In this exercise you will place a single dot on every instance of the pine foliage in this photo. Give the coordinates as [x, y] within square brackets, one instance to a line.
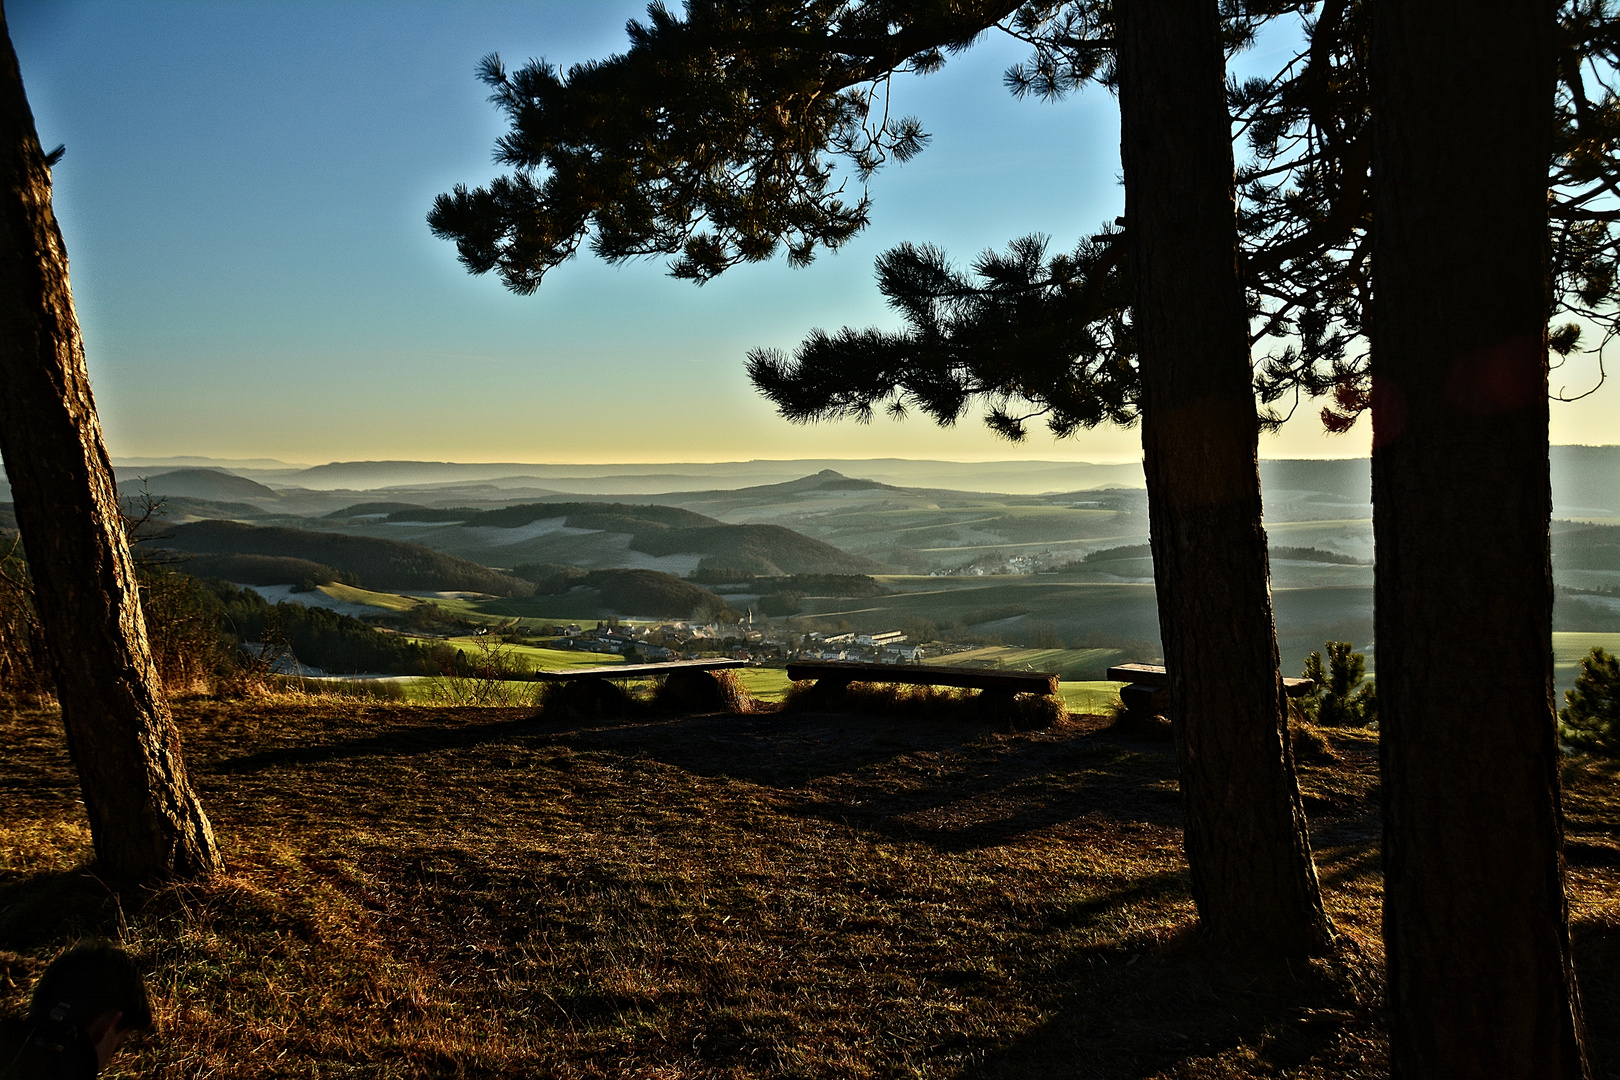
[714, 139]
[1590, 718]
[1340, 696]
[734, 131]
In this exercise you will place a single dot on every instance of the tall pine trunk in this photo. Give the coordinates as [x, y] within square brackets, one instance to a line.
[144, 819]
[1253, 879]
[1475, 922]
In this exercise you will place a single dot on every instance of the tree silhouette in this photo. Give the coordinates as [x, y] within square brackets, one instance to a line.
[144, 819]
[1480, 976]
[713, 139]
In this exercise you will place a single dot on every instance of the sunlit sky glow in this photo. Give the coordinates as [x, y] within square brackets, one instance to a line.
[244, 195]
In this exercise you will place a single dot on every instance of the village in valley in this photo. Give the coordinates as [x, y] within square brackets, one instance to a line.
[741, 641]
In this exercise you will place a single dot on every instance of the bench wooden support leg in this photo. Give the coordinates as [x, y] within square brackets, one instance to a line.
[697, 692]
[589, 698]
[1145, 712]
[826, 693]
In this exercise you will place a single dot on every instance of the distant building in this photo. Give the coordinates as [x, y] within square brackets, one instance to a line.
[882, 638]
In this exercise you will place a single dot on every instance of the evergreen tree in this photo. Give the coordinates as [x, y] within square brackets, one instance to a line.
[1339, 695]
[1590, 718]
[711, 140]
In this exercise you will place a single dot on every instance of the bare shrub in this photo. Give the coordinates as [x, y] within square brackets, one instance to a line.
[489, 678]
[586, 699]
[704, 691]
[25, 669]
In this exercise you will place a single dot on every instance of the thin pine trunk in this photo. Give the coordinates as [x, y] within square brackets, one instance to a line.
[144, 819]
[1253, 879]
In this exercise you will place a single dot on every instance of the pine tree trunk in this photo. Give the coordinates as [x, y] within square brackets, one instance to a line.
[144, 819]
[1253, 879]
[1475, 923]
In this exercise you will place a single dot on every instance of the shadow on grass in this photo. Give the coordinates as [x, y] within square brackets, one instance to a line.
[1124, 1011]
[954, 784]
[51, 910]
[1339, 866]
[780, 750]
[396, 742]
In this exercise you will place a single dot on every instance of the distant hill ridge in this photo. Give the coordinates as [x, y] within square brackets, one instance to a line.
[765, 550]
[216, 485]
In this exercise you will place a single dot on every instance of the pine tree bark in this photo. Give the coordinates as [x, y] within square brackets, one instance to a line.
[1253, 879]
[144, 819]
[1476, 927]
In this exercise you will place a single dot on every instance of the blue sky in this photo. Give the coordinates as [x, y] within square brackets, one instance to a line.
[244, 195]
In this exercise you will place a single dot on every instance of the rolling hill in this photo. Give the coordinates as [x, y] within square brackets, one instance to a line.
[602, 535]
[375, 564]
[214, 485]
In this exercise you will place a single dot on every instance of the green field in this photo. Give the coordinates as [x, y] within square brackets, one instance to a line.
[349, 594]
[532, 657]
[766, 684]
[1569, 649]
[1067, 664]
[1090, 698]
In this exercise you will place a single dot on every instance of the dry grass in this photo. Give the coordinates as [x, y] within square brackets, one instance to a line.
[483, 893]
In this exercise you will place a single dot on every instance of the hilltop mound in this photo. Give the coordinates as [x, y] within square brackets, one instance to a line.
[376, 564]
[211, 484]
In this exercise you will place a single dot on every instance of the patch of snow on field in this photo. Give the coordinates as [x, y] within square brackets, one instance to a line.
[283, 594]
[496, 537]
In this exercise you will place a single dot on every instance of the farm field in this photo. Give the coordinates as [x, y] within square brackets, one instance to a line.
[812, 895]
[1068, 664]
[1569, 649]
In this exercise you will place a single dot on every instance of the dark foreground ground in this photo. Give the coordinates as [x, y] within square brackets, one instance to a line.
[434, 892]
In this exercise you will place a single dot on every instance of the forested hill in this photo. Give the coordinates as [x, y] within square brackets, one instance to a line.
[375, 564]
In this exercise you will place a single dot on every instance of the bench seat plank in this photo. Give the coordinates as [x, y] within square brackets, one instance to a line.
[1154, 675]
[636, 671]
[966, 678]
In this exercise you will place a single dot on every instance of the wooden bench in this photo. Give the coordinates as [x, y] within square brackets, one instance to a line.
[833, 675]
[1148, 687]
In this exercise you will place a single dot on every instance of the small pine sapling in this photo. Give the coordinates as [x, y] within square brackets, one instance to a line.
[1340, 696]
[1590, 719]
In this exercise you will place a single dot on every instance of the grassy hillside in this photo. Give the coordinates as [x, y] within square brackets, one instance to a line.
[375, 564]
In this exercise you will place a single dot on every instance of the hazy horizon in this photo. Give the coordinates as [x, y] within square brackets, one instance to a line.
[243, 200]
